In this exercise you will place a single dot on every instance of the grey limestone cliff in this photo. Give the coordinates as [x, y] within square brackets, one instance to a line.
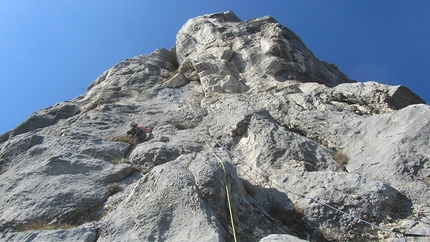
[253, 139]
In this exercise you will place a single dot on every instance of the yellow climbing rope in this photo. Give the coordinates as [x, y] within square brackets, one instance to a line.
[302, 194]
[226, 186]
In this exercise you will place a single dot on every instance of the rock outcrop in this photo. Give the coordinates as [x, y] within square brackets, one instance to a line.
[254, 139]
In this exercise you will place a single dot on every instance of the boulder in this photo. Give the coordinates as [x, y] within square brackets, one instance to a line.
[167, 198]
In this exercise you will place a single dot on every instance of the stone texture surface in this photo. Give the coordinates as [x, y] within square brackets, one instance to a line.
[238, 106]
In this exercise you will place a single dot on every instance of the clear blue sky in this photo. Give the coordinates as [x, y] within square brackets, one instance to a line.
[51, 51]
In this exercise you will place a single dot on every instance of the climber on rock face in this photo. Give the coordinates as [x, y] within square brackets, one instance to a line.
[136, 133]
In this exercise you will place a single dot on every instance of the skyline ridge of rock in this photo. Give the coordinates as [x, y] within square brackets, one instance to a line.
[249, 93]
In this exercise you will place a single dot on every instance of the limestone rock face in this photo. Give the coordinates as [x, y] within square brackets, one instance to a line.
[252, 137]
[225, 52]
[47, 116]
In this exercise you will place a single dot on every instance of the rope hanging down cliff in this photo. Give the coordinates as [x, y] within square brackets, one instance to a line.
[226, 186]
[302, 194]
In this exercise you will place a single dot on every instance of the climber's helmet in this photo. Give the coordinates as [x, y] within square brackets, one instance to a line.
[133, 124]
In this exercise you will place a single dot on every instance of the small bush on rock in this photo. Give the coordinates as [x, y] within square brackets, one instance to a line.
[113, 188]
[179, 125]
[341, 159]
[121, 138]
[42, 225]
[167, 76]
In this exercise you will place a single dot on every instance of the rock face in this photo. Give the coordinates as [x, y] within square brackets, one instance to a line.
[254, 139]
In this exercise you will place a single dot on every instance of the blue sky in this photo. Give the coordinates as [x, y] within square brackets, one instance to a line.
[51, 51]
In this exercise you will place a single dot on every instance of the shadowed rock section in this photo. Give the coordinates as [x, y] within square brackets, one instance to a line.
[295, 135]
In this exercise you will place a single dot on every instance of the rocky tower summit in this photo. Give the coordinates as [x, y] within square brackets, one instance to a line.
[254, 139]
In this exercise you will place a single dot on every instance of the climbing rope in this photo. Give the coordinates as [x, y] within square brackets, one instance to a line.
[226, 186]
[302, 194]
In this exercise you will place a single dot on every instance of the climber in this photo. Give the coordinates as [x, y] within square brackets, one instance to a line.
[136, 133]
